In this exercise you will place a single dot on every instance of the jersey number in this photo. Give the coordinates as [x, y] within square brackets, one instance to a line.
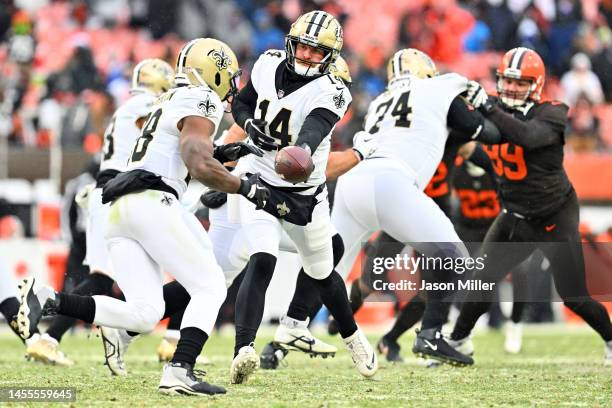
[478, 204]
[401, 112]
[279, 126]
[109, 141]
[146, 136]
[507, 163]
[438, 185]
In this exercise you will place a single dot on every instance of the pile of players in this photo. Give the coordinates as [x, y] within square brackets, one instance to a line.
[161, 139]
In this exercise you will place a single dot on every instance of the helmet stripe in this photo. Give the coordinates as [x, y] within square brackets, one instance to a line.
[323, 18]
[183, 56]
[311, 23]
[397, 63]
[136, 74]
[517, 58]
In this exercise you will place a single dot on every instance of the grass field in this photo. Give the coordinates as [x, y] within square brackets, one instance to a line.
[559, 366]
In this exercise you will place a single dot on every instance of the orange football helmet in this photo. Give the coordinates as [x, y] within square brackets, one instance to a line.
[525, 64]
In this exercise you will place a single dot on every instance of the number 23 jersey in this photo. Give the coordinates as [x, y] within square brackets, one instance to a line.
[285, 115]
[157, 149]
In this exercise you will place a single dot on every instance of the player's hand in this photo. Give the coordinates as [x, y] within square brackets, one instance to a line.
[256, 129]
[478, 98]
[233, 151]
[82, 196]
[213, 199]
[254, 190]
[364, 144]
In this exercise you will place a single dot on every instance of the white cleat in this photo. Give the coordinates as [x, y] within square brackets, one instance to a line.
[45, 349]
[180, 378]
[362, 353]
[514, 337]
[116, 343]
[294, 334]
[608, 354]
[464, 345]
[244, 365]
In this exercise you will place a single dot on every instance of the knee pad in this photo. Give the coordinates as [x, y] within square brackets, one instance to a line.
[337, 248]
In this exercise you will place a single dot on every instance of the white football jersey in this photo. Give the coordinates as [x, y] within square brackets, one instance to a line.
[157, 148]
[122, 132]
[409, 122]
[285, 115]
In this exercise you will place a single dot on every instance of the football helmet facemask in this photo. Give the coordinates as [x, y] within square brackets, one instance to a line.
[520, 63]
[211, 62]
[317, 29]
[410, 61]
[340, 69]
[152, 75]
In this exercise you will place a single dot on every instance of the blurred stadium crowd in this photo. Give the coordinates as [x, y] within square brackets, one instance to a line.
[65, 65]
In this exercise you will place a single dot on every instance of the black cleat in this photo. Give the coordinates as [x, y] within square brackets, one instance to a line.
[180, 378]
[389, 349]
[271, 356]
[332, 327]
[31, 310]
[430, 344]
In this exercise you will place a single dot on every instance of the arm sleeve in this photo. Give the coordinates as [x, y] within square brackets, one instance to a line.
[544, 129]
[244, 104]
[316, 127]
[467, 125]
[480, 158]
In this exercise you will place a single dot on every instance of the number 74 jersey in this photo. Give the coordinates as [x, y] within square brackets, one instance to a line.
[409, 122]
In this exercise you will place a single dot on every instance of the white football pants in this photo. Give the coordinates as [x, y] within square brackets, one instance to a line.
[97, 256]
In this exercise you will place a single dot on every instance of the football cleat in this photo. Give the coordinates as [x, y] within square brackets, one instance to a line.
[431, 344]
[464, 345]
[514, 337]
[390, 349]
[116, 343]
[293, 334]
[244, 365]
[271, 356]
[180, 378]
[33, 306]
[608, 354]
[46, 350]
[362, 353]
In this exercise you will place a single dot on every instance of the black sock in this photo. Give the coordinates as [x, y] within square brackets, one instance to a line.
[517, 311]
[77, 306]
[94, 284]
[251, 298]
[356, 296]
[176, 298]
[189, 345]
[408, 316]
[175, 321]
[595, 315]
[305, 298]
[333, 294]
[470, 312]
[435, 314]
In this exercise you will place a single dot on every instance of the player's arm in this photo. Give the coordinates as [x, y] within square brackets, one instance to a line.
[234, 134]
[244, 104]
[197, 151]
[470, 125]
[339, 163]
[317, 125]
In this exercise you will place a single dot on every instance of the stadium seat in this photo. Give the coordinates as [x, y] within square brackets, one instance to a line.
[16, 191]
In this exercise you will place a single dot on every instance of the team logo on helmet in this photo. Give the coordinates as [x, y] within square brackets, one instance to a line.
[222, 60]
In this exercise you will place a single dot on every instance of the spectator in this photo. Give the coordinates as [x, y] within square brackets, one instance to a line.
[581, 80]
[449, 24]
[567, 17]
[583, 133]
[501, 21]
[266, 35]
[478, 39]
[82, 70]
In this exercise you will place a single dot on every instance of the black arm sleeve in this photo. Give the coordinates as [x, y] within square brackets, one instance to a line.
[480, 158]
[244, 104]
[316, 126]
[467, 125]
[544, 129]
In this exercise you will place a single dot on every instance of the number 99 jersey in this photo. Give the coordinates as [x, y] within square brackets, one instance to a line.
[157, 149]
[285, 114]
[409, 121]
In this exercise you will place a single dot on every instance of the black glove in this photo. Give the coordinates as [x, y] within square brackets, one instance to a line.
[213, 199]
[234, 151]
[256, 129]
[253, 189]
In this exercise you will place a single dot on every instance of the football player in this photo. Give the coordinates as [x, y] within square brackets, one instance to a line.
[149, 230]
[539, 202]
[291, 99]
[150, 78]
[385, 192]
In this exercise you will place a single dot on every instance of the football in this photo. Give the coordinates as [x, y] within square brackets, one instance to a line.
[293, 164]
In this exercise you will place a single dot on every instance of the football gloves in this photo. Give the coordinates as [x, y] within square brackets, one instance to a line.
[233, 151]
[256, 129]
[364, 144]
[213, 199]
[253, 189]
[478, 98]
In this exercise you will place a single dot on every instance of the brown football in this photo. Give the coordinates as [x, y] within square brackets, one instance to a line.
[293, 164]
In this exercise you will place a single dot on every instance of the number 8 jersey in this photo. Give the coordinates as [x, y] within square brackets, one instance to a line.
[409, 121]
[285, 114]
[157, 149]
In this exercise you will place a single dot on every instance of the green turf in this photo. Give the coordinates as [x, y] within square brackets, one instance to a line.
[558, 367]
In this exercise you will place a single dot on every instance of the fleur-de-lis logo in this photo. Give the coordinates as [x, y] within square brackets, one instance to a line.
[283, 209]
[339, 100]
[222, 60]
[206, 107]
